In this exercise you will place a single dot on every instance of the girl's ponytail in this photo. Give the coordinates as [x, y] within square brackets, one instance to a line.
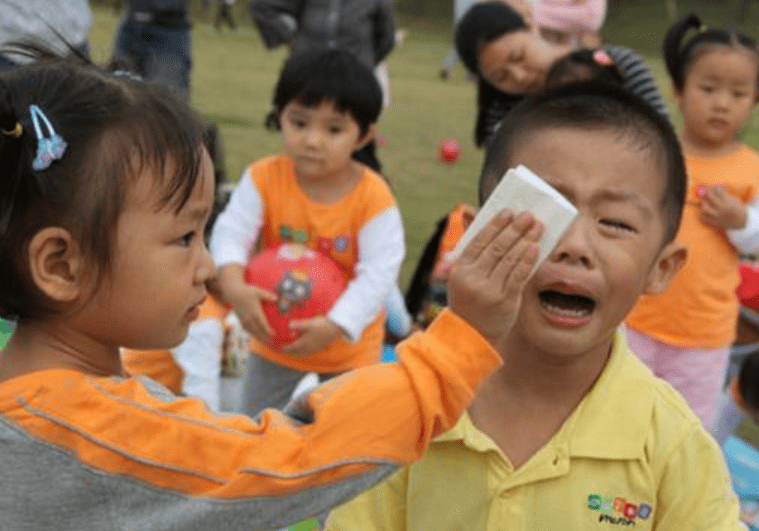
[11, 135]
[10, 127]
[674, 55]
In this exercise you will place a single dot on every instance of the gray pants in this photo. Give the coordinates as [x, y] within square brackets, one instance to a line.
[270, 385]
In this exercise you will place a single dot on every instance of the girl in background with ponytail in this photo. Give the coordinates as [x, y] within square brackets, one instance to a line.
[685, 334]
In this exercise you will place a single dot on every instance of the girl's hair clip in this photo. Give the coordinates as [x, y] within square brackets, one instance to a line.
[703, 28]
[600, 57]
[16, 132]
[49, 148]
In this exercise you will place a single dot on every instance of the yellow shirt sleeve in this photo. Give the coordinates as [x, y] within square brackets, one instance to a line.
[382, 508]
[695, 490]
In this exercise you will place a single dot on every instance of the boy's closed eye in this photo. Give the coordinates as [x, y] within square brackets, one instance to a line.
[617, 225]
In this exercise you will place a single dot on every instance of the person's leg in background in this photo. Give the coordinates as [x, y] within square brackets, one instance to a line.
[267, 385]
[169, 58]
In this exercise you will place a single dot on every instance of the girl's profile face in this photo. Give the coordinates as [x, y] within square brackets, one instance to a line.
[718, 95]
[160, 267]
[517, 62]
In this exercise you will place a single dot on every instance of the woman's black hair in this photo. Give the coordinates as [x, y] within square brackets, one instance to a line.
[492, 106]
[679, 56]
[584, 65]
[115, 130]
[484, 22]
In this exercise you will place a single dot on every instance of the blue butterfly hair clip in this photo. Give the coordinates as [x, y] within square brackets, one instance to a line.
[49, 148]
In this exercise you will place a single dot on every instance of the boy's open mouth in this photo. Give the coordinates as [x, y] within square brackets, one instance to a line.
[566, 304]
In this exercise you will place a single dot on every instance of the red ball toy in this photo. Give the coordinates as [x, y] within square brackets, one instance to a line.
[748, 289]
[450, 150]
[307, 284]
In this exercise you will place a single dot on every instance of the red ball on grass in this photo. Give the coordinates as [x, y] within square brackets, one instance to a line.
[450, 150]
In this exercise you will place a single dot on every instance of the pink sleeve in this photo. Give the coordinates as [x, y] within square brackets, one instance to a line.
[570, 16]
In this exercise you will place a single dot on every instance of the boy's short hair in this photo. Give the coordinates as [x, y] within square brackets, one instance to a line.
[315, 76]
[593, 106]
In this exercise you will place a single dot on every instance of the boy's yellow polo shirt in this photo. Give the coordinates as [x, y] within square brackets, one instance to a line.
[631, 456]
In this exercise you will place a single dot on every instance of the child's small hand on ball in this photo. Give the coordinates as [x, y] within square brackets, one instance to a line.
[315, 334]
[247, 304]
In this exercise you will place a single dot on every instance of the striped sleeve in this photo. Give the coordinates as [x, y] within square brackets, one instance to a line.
[121, 454]
[638, 77]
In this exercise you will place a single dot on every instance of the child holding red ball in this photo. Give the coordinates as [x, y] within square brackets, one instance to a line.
[316, 195]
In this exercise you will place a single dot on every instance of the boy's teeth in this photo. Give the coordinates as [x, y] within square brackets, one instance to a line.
[565, 311]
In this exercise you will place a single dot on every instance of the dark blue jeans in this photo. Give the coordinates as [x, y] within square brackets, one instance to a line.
[5, 64]
[156, 53]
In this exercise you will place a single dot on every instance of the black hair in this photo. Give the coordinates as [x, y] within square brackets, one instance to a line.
[482, 23]
[330, 75]
[592, 106]
[115, 130]
[584, 65]
[748, 381]
[492, 106]
[679, 57]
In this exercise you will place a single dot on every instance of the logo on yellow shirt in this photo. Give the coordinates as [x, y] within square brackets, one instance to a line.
[618, 510]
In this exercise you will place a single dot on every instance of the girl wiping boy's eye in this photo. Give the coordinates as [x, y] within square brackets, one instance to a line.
[105, 191]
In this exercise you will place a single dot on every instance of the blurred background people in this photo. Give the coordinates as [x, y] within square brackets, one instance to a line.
[61, 26]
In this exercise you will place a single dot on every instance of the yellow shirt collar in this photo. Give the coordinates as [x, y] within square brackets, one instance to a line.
[611, 422]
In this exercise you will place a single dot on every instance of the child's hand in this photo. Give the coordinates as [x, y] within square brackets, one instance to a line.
[247, 304]
[316, 333]
[485, 286]
[720, 209]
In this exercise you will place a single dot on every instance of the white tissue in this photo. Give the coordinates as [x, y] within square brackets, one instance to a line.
[519, 190]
